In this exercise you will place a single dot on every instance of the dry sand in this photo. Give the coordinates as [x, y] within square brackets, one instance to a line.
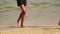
[32, 30]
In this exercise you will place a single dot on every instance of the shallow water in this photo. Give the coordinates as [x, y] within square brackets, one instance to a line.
[39, 12]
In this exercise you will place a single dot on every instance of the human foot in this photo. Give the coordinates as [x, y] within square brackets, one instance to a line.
[18, 23]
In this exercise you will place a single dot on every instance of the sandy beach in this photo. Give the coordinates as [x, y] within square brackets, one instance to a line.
[42, 17]
[31, 30]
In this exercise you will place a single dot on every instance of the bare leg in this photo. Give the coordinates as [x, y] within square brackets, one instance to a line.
[23, 8]
[19, 19]
[59, 23]
[22, 15]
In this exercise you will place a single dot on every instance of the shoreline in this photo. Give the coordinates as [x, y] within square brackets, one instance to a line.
[6, 27]
[32, 30]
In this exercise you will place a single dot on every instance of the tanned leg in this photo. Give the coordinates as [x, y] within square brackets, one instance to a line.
[22, 15]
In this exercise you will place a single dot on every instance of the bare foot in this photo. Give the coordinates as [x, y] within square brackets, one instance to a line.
[18, 23]
[21, 26]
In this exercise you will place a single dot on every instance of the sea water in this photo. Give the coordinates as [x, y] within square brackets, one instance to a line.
[39, 12]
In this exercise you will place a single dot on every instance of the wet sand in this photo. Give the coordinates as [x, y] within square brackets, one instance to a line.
[30, 30]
